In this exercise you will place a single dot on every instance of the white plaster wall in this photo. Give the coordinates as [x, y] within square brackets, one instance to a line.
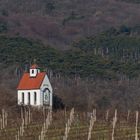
[26, 102]
[32, 98]
[19, 96]
[26, 97]
[46, 84]
[51, 99]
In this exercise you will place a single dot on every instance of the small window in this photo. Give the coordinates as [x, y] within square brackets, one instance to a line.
[35, 97]
[32, 71]
[29, 98]
[22, 97]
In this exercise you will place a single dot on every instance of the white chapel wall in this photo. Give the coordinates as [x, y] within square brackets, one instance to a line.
[46, 84]
[26, 92]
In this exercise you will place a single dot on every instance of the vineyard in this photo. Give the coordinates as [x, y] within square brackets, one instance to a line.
[43, 124]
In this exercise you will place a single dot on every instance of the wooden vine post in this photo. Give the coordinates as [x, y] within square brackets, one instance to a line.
[17, 137]
[136, 127]
[3, 119]
[92, 121]
[68, 124]
[45, 125]
[114, 124]
[25, 120]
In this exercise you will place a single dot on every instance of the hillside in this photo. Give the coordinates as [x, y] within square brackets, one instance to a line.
[107, 74]
[91, 50]
[60, 22]
[109, 55]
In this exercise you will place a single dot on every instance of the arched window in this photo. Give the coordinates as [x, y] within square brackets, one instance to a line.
[22, 97]
[29, 98]
[46, 95]
[35, 97]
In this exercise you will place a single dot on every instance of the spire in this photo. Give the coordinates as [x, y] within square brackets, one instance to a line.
[34, 66]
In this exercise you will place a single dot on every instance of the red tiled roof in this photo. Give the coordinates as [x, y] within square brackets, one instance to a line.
[28, 83]
[34, 66]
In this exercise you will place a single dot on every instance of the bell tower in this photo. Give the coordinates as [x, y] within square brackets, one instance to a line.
[34, 70]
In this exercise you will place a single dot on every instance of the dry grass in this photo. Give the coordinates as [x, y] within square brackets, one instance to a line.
[78, 130]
